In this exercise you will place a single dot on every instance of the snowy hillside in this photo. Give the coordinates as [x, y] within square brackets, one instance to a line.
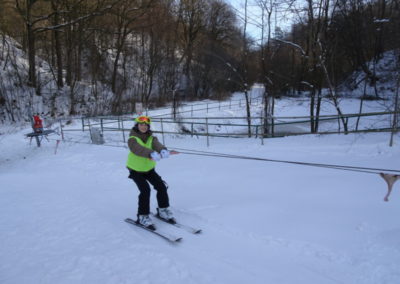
[386, 71]
[62, 214]
[18, 99]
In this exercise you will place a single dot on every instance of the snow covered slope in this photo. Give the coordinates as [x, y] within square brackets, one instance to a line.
[386, 71]
[62, 214]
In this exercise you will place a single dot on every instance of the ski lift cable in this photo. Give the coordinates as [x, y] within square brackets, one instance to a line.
[331, 166]
[231, 156]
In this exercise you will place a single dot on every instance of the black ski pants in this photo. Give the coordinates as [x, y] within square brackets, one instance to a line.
[142, 181]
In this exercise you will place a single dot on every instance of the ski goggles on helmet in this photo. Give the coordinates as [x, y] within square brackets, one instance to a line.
[143, 119]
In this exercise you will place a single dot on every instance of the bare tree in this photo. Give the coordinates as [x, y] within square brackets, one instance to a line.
[36, 23]
[267, 8]
[57, 38]
[191, 18]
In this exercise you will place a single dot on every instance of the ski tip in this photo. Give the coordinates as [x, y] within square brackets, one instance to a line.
[198, 231]
[178, 240]
[130, 220]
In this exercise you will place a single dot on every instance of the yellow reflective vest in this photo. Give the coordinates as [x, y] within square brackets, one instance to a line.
[138, 163]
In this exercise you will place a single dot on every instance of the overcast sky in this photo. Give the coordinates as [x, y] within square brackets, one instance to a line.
[254, 16]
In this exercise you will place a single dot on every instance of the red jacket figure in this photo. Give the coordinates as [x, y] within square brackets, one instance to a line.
[37, 124]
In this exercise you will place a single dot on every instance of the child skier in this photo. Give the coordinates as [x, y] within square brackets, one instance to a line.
[145, 151]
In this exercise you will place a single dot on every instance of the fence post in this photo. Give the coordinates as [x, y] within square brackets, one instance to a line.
[162, 131]
[395, 114]
[208, 139]
[262, 131]
[83, 123]
[192, 112]
[123, 133]
[101, 125]
[192, 129]
[90, 129]
[62, 132]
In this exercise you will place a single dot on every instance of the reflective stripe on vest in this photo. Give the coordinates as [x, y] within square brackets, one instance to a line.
[138, 163]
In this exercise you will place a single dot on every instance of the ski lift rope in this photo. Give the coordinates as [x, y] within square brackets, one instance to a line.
[390, 176]
[231, 156]
[330, 166]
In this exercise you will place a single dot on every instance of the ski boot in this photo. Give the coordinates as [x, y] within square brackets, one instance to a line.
[145, 221]
[166, 214]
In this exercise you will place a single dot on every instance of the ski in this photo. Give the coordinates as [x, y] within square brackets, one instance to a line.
[157, 232]
[179, 225]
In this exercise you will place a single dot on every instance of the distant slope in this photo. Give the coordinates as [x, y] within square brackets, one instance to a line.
[386, 71]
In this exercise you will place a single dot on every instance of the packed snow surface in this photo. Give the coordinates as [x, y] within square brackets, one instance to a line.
[62, 214]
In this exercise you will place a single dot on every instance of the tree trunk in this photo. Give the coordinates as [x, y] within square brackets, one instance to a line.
[244, 66]
[31, 51]
[58, 47]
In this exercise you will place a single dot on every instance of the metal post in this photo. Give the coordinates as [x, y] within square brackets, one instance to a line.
[162, 131]
[208, 139]
[395, 114]
[174, 105]
[37, 140]
[123, 133]
[262, 131]
[61, 128]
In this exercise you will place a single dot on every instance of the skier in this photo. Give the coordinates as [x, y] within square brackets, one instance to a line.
[145, 151]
